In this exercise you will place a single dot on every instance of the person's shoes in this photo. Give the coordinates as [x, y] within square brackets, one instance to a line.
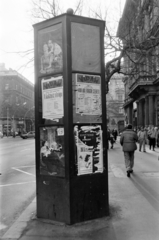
[153, 149]
[111, 147]
[139, 150]
[131, 171]
[128, 173]
[144, 151]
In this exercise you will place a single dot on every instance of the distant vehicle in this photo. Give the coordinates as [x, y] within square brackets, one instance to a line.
[28, 135]
[14, 134]
[1, 135]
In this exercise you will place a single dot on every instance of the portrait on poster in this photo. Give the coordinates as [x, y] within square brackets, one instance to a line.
[52, 98]
[52, 158]
[89, 149]
[50, 55]
[88, 94]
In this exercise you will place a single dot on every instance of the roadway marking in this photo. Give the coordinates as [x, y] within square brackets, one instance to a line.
[25, 149]
[27, 166]
[12, 184]
[2, 226]
[17, 169]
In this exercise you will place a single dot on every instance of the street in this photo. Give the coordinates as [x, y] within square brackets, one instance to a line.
[18, 182]
[17, 179]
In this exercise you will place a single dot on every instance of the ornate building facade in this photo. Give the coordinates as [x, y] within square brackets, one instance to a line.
[138, 30]
[16, 102]
[115, 100]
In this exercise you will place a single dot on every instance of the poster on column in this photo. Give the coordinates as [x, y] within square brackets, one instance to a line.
[52, 156]
[50, 53]
[52, 98]
[88, 94]
[89, 149]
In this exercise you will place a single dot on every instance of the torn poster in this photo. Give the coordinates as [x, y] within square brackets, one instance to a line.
[89, 149]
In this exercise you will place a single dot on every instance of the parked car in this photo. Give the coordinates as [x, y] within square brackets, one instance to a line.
[30, 134]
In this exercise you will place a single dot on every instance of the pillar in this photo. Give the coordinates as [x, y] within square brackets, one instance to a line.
[151, 110]
[140, 114]
[137, 103]
[130, 113]
[146, 111]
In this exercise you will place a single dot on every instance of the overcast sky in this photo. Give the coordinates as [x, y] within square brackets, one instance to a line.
[16, 31]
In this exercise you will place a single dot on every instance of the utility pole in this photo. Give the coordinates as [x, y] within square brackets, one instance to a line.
[7, 119]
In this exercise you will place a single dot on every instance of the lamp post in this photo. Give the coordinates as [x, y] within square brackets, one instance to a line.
[23, 104]
[7, 119]
[27, 113]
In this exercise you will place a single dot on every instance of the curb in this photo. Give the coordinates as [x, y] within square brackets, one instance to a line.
[15, 231]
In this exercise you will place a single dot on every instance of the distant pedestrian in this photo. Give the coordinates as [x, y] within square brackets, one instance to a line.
[128, 141]
[115, 133]
[112, 140]
[108, 137]
[142, 139]
[152, 136]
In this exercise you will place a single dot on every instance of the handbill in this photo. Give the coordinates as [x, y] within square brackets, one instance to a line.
[88, 94]
[52, 98]
[89, 149]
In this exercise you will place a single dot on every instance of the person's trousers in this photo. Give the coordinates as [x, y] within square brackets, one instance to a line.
[152, 143]
[142, 143]
[129, 160]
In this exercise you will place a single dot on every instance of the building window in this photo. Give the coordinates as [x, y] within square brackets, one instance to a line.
[7, 86]
[120, 97]
[121, 110]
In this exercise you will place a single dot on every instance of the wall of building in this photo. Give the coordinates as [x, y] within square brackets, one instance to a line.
[16, 99]
[140, 29]
[115, 101]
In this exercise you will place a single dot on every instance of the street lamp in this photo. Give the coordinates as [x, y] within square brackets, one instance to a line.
[23, 104]
[26, 114]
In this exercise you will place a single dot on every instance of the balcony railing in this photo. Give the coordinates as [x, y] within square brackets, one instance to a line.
[142, 80]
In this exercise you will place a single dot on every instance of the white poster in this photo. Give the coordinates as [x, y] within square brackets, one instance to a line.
[52, 98]
[89, 149]
[88, 94]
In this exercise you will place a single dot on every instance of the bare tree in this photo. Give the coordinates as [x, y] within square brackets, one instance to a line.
[45, 9]
[138, 49]
[136, 42]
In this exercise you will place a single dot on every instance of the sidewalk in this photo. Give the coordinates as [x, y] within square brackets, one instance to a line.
[132, 217]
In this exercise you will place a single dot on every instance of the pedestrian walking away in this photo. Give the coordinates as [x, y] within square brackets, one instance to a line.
[112, 140]
[142, 139]
[128, 141]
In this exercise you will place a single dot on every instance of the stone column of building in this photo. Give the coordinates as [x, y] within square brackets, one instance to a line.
[146, 111]
[140, 114]
[151, 110]
[137, 103]
[130, 113]
[157, 109]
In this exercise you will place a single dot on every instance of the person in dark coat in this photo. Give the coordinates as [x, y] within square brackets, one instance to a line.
[108, 138]
[128, 141]
[115, 133]
[112, 140]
